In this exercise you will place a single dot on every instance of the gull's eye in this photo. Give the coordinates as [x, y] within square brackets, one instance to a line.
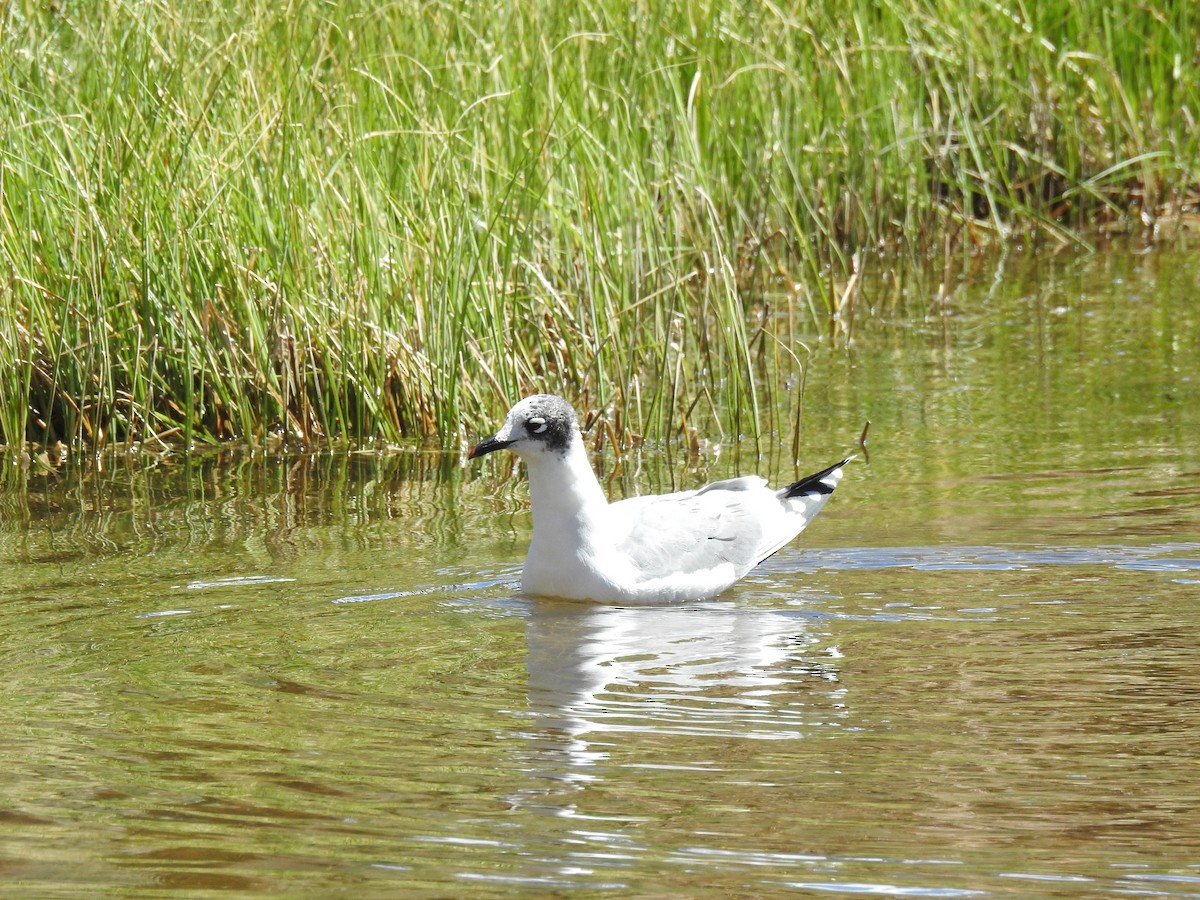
[537, 424]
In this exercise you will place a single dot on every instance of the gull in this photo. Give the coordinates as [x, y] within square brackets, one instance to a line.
[689, 545]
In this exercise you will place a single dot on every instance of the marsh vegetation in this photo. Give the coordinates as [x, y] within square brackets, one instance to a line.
[363, 222]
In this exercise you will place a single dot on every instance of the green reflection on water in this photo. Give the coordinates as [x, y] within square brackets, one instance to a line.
[974, 673]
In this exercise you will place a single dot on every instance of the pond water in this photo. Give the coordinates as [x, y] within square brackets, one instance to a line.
[975, 675]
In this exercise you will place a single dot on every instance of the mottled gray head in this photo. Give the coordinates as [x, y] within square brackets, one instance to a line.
[541, 423]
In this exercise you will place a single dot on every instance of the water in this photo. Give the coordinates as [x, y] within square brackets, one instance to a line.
[974, 676]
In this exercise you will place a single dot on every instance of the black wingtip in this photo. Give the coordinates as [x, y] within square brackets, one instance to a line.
[815, 484]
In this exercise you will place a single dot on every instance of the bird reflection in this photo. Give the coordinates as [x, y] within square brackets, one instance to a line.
[599, 673]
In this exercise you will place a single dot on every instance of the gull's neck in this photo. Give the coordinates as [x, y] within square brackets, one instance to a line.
[563, 491]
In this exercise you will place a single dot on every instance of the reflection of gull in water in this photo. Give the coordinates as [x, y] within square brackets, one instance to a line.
[715, 670]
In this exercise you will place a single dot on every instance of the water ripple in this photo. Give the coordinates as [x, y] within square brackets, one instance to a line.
[1155, 557]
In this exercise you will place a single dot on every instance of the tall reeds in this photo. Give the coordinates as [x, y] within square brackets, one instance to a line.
[363, 221]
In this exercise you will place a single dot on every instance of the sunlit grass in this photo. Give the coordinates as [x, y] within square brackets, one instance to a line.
[360, 222]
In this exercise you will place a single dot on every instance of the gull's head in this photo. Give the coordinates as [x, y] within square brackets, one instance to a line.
[541, 424]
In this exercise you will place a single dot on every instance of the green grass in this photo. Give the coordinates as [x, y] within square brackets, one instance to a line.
[372, 222]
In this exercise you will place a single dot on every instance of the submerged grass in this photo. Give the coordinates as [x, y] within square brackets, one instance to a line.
[367, 222]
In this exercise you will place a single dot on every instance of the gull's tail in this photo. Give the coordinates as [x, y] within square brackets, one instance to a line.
[801, 502]
[818, 485]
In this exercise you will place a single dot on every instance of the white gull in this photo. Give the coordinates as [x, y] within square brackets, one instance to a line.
[688, 545]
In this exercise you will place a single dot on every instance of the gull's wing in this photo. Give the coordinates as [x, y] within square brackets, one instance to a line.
[719, 527]
[720, 531]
